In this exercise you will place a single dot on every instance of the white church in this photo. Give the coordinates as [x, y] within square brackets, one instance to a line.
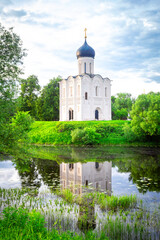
[74, 176]
[86, 96]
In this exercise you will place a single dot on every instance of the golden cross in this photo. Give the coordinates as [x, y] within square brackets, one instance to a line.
[85, 32]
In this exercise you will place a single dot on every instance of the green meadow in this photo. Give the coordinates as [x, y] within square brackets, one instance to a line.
[114, 132]
[78, 132]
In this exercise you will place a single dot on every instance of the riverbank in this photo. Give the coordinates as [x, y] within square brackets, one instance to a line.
[83, 133]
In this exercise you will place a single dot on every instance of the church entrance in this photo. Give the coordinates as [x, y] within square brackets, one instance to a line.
[96, 115]
[70, 114]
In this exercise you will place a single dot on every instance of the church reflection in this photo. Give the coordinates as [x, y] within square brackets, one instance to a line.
[94, 175]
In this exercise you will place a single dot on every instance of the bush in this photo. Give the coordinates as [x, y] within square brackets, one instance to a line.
[21, 124]
[129, 135]
[86, 136]
[146, 115]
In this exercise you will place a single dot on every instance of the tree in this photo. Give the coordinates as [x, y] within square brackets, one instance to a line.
[30, 90]
[48, 102]
[11, 55]
[121, 106]
[146, 115]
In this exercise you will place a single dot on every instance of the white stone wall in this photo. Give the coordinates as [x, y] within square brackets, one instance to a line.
[71, 177]
[100, 177]
[99, 98]
[96, 175]
[73, 93]
[70, 98]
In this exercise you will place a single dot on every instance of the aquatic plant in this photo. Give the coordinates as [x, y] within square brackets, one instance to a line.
[66, 194]
[115, 203]
[114, 222]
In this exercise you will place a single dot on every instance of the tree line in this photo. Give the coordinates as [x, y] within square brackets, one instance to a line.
[42, 104]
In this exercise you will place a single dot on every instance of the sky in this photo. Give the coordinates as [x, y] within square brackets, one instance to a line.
[125, 35]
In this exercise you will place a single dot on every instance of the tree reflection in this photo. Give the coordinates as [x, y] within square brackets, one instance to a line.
[28, 173]
[33, 165]
[144, 172]
[49, 171]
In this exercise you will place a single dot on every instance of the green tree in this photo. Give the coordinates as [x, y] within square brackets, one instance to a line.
[30, 90]
[48, 102]
[146, 115]
[121, 106]
[21, 124]
[11, 55]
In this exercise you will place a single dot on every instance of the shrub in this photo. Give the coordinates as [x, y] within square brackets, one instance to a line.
[129, 135]
[86, 136]
[77, 135]
[21, 124]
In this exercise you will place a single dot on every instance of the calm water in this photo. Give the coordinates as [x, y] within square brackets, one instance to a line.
[116, 170]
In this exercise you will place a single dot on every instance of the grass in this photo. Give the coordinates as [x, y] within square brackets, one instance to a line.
[21, 224]
[114, 203]
[67, 195]
[83, 133]
[38, 217]
[111, 132]
[111, 203]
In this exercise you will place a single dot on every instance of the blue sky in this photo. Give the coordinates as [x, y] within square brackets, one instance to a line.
[124, 33]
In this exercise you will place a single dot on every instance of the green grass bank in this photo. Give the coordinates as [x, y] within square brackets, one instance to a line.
[114, 132]
[78, 132]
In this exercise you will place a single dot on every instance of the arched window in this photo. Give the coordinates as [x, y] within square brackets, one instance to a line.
[96, 90]
[96, 165]
[96, 114]
[85, 67]
[80, 68]
[70, 114]
[86, 183]
[105, 91]
[71, 166]
[78, 90]
[86, 95]
[70, 91]
[63, 93]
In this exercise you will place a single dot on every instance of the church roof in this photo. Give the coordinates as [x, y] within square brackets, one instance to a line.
[85, 51]
[86, 74]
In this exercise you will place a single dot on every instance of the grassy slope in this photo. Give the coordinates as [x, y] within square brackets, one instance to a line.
[45, 132]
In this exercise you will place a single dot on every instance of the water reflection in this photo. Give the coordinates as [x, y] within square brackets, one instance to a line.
[130, 170]
[9, 176]
[120, 170]
[96, 175]
[37, 172]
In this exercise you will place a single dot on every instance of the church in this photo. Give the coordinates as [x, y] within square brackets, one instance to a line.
[86, 96]
[96, 175]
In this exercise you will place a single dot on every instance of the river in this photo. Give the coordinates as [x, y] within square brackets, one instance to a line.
[112, 170]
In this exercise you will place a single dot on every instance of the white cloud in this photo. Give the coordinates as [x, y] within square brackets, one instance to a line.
[52, 31]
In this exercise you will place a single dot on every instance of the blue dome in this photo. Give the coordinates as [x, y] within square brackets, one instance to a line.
[85, 51]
